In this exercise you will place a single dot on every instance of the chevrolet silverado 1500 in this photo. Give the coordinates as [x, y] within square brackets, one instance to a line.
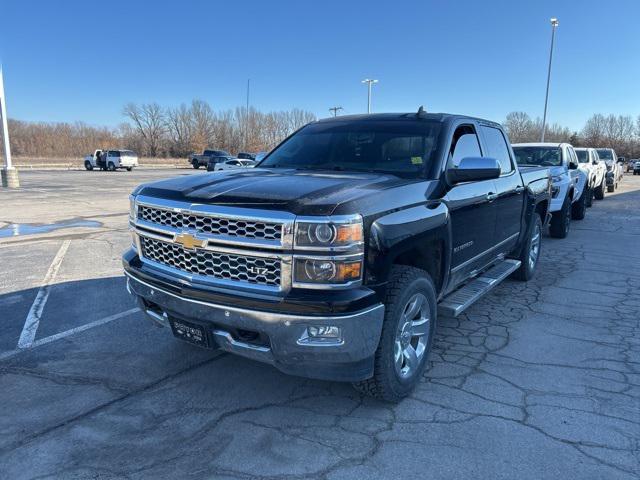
[333, 258]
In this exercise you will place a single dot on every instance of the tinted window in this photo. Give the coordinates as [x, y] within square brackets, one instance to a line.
[583, 156]
[605, 154]
[543, 156]
[497, 148]
[464, 144]
[400, 147]
[114, 153]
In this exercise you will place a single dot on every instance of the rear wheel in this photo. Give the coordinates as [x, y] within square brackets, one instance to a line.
[407, 335]
[561, 220]
[579, 207]
[129, 169]
[195, 164]
[530, 252]
[88, 166]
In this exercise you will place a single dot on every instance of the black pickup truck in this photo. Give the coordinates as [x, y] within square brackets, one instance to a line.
[334, 256]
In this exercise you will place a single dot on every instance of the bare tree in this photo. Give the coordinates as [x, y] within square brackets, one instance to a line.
[519, 127]
[149, 120]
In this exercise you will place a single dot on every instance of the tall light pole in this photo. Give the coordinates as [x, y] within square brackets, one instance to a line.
[554, 25]
[335, 110]
[246, 119]
[369, 82]
[9, 174]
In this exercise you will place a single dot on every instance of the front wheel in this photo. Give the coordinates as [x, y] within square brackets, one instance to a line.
[111, 167]
[610, 188]
[590, 197]
[88, 166]
[407, 335]
[530, 252]
[195, 164]
[579, 207]
[129, 169]
[560, 221]
[599, 193]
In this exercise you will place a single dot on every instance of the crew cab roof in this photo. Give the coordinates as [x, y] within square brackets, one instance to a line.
[539, 144]
[438, 117]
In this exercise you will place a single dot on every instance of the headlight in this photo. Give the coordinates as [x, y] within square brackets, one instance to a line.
[133, 209]
[332, 271]
[332, 233]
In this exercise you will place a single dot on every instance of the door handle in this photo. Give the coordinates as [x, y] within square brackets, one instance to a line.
[492, 196]
[519, 189]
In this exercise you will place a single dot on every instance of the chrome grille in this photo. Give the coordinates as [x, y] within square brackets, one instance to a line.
[254, 270]
[213, 225]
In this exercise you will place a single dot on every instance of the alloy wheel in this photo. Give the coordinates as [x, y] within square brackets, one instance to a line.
[534, 249]
[412, 336]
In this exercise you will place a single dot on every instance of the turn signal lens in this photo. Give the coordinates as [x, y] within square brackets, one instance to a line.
[327, 272]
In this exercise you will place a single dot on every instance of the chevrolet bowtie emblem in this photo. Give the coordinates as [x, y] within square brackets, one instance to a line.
[188, 241]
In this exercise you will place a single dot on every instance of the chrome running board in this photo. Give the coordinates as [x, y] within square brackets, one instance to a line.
[458, 301]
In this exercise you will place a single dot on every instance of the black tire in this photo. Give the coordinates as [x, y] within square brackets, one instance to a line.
[589, 198]
[579, 207]
[88, 166]
[111, 167]
[387, 383]
[129, 169]
[599, 193]
[530, 254]
[610, 188]
[561, 220]
[195, 164]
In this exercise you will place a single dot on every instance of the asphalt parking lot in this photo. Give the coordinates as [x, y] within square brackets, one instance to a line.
[538, 380]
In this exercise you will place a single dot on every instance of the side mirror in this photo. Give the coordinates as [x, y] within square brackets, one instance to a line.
[595, 162]
[573, 166]
[474, 169]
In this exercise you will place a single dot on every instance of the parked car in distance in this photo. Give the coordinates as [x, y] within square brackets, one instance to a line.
[569, 192]
[596, 171]
[246, 156]
[111, 160]
[636, 167]
[614, 169]
[232, 164]
[202, 160]
[334, 257]
[260, 156]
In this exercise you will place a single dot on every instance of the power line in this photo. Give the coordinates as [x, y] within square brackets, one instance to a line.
[335, 110]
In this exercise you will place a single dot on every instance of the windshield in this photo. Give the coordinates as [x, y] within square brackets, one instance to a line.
[543, 156]
[605, 154]
[583, 156]
[398, 147]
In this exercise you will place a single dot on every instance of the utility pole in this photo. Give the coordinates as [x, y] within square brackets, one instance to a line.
[246, 120]
[9, 174]
[335, 110]
[554, 25]
[369, 82]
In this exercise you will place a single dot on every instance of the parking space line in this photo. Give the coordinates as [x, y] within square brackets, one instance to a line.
[35, 312]
[67, 333]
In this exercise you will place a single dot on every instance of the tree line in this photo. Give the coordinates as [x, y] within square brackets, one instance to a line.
[620, 132]
[156, 131]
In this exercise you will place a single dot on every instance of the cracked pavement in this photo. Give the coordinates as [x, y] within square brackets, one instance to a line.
[537, 380]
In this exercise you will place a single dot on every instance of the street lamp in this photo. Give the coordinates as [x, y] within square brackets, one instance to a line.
[369, 82]
[554, 24]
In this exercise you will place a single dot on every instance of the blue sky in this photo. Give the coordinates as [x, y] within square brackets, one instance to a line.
[83, 60]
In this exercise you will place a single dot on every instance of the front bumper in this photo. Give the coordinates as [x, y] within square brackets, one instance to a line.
[281, 336]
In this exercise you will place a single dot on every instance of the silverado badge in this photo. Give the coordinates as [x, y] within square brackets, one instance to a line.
[188, 241]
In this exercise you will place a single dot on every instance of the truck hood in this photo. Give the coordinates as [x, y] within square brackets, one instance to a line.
[299, 192]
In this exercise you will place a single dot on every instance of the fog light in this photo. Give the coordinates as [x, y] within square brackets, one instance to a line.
[321, 334]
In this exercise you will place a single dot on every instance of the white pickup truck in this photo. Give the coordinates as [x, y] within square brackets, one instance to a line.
[596, 171]
[111, 160]
[569, 187]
